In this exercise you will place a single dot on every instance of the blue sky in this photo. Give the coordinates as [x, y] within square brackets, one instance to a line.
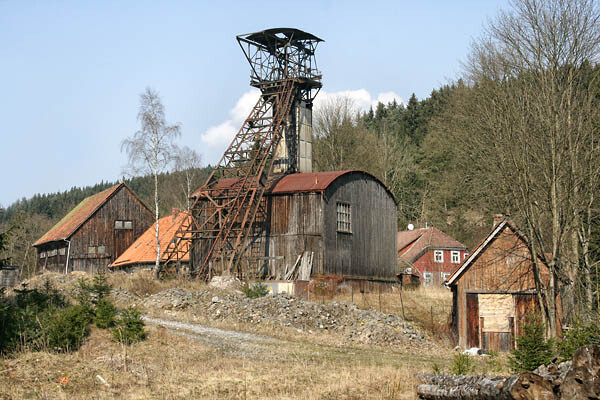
[71, 72]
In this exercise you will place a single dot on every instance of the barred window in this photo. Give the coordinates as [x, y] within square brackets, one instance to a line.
[455, 257]
[438, 256]
[344, 218]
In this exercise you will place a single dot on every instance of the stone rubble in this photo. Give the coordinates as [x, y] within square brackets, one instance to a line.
[345, 320]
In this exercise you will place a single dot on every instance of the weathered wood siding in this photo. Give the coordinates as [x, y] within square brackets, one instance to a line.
[504, 267]
[370, 250]
[99, 230]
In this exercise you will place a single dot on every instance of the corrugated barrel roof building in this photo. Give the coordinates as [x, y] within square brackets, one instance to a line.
[341, 222]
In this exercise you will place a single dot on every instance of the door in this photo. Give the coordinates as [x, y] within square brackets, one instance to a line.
[472, 320]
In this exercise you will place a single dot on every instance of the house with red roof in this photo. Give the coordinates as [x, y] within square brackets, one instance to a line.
[94, 233]
[142, 253]
[341, 223]
[430, 254]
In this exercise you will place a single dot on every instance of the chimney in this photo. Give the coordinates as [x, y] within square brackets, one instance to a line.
[498, 218]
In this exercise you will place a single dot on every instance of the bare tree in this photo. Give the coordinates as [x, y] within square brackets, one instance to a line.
[527, 131]
[187, 164]
[150, 150]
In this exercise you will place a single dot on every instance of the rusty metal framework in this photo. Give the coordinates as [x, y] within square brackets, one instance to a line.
[229, 210]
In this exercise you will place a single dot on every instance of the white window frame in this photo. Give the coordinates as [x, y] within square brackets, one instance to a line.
[42, 254]
[455, 257]
[344, 217]
[427, 278]
[439, 253]
[445, 276]
[465, 255]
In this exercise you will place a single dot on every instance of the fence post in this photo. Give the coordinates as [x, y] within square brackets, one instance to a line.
[402, 304]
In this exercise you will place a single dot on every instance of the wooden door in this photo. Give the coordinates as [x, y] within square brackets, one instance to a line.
[123, 238]
[472, 320]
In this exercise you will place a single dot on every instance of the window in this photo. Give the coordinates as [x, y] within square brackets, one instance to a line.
[43, 254]
[465, 255]
[101, 250]
[52, 253]
[344, 218]
[62, 251]
[427, 278]
[120, 224]
[445, 276]
[455, 257]
[438, 256]
[91, 250]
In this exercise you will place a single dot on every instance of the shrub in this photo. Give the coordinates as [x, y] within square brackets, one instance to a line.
[105, 313]
[462, 364]
[67, 328]
[255, 290]
[129, 327]
[579, 334]
[532, 349]
[8, 329]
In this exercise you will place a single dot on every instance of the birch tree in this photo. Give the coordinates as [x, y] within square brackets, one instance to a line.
[187, 164]
[150, 150]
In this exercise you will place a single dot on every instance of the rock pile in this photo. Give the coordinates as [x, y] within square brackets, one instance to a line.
[346, 320]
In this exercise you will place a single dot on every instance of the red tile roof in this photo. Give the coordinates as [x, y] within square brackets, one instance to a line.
[143, 250]
[411, 244]
[77, 216]
[299, 182]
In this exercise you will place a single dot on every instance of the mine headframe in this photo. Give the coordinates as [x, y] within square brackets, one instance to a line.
[229, 212]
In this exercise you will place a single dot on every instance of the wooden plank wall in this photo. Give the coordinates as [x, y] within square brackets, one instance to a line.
[99, 230]
[370, 250]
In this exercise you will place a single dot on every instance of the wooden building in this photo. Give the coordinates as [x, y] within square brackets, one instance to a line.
[142, 253]
[97, 231]
[343, 222]
[429, 254]
[494, 290]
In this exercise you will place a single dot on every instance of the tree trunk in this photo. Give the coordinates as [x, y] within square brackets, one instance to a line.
[524, 386]
[157, 265]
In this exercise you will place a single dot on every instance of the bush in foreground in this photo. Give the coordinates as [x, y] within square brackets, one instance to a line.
[129, 327]
[532, 349]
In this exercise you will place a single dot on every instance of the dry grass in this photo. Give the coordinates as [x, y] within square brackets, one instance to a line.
[430, 308]
[142, 284]
[169, 366]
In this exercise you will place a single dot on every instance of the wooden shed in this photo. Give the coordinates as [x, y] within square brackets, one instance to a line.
[142, 253]
[494, 290]
[344, 222]
[95, 232]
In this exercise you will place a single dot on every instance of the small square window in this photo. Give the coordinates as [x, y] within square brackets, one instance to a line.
[445, 276]
[101, 249]
[62, 251]
[438, 256]
[43, 254]
[128, 225]
[118, 224]
[427, 278]
[455, 257]
[344, 217]
[91, 250]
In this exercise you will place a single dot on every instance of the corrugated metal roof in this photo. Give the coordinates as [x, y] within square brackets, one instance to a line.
[411, 244]
[143, 250]
[299, 182]
[77, 216]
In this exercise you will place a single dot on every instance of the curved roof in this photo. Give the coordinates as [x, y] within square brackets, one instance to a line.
[282, 35]
[302, 182]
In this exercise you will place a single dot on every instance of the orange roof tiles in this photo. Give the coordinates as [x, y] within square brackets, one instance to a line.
[143, 250]
[77, 216]
[411, 244]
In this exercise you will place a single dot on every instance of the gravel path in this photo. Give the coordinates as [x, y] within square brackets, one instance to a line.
[239, 343]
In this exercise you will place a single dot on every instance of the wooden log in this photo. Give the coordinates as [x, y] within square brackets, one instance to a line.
[582, 381]
[520, 387]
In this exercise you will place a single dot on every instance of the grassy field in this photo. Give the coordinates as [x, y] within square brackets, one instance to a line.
[173, 365]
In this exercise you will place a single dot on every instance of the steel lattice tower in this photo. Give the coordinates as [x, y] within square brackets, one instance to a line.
[275, 139]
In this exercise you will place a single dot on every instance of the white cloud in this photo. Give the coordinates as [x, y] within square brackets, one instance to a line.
[217, 137]
[361, 98]
[223, 133]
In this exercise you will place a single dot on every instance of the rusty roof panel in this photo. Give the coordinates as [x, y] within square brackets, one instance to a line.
[77, 216]
[143, 250]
